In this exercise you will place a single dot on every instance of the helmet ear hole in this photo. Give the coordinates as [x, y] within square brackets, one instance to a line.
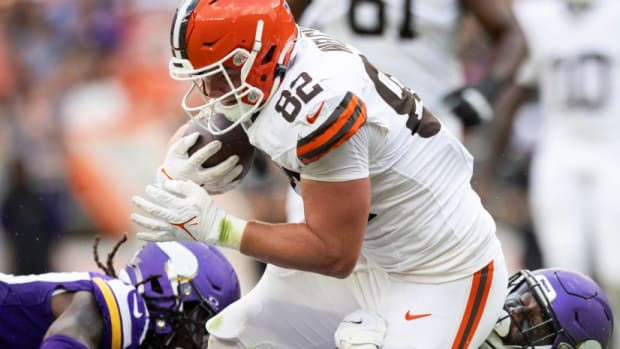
[269, 55]
[156, 285]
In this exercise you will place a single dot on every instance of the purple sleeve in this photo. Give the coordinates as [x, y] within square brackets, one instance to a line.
[59, 341]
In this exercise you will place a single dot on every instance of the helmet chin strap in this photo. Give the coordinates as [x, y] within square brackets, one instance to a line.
[495, 340]
[232, 112]
[502, 327]
[497, 337]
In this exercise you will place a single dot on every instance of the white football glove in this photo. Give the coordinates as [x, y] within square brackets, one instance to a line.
[179, 165]
[182, 210]
[360, 330]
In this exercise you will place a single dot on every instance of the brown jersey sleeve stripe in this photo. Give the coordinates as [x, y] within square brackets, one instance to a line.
[480, 287]
[341, 125]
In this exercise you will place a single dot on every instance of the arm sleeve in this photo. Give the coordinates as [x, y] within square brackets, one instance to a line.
[59, 341]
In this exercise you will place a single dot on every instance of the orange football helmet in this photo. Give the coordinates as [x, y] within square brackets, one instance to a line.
[211, 38]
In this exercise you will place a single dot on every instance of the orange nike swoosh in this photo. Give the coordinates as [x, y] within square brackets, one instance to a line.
[182, 226]
[409, 316]
[312, 118]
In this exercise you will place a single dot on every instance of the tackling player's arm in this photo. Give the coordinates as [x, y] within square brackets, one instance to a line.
[77, 317]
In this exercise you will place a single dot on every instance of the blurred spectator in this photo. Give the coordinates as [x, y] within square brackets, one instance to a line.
[24, 219]
[36, 49]
[49, 48]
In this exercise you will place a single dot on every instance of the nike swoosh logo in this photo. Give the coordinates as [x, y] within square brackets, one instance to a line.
[183, 224]
[357, 322]
[136, 311]
[312, 118]
[409, 316]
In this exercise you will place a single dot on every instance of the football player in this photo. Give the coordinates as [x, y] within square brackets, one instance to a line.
[574, 63]
[417, 41]
[161, 299]
[392, 227]
[553, 308]
[545, 308]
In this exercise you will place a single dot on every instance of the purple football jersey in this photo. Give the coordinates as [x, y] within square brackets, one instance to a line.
[25, 308]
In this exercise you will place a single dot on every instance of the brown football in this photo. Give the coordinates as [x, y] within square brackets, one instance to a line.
[234, 142]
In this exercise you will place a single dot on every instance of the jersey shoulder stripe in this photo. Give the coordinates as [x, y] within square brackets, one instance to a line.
[341, 125]
[113, 311]
[124, 313]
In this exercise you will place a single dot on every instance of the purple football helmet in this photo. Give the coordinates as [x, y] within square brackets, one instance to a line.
[553, 308]
[184, 284]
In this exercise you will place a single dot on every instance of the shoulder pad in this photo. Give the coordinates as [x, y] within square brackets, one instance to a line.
[339, 120]
[123, 310]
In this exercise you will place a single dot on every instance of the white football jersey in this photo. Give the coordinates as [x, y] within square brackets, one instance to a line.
[337, 118]
[414, 40]
[576, 64]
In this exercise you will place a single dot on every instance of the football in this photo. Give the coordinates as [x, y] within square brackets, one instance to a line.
[234, 142]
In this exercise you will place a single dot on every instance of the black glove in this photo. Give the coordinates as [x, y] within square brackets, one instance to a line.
[473, 105]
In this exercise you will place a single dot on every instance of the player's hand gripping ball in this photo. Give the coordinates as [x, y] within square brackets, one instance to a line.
[234, 142]
[197, 155]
